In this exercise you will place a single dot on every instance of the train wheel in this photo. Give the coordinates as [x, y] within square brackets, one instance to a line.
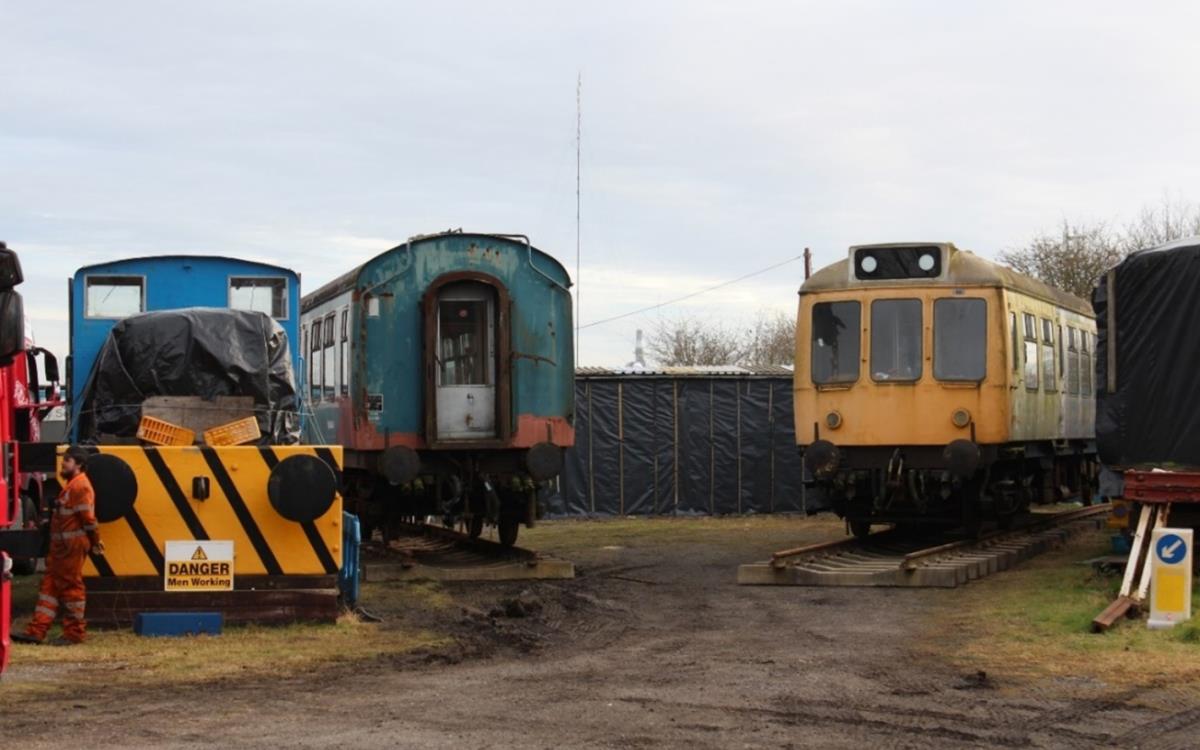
[860, 529]
[475, 525]
[509, 527]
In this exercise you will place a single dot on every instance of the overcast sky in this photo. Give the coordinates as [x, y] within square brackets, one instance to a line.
[718, 137]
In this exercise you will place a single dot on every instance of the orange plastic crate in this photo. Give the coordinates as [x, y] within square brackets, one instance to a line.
[234, 433]
[160, 432]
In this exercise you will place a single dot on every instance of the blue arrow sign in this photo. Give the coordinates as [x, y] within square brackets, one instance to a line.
[1171, 548]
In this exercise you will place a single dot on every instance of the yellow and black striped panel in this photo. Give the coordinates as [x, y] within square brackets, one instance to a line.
[237, 508]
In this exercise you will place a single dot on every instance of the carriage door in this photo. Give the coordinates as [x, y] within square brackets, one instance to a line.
[466, 366]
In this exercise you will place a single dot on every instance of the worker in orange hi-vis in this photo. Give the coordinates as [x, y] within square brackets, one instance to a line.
[73, 533]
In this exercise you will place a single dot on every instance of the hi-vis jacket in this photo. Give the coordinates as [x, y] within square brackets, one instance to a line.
[75, 512]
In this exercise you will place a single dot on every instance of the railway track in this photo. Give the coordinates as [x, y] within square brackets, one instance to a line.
[888, 559]
[427, 552]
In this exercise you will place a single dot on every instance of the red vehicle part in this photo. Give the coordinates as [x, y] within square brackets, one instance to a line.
[21, 412]
[1162, 486]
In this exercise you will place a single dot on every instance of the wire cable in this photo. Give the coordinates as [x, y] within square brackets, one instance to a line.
[689, 296]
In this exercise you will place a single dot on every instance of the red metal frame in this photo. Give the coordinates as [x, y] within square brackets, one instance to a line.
[1162, 486]
[16, 403]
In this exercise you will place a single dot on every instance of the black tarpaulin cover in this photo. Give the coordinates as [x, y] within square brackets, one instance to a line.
[1153, 414]
[662, 445]
[206, 352]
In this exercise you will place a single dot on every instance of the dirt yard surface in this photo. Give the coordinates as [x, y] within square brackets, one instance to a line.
[653, 645]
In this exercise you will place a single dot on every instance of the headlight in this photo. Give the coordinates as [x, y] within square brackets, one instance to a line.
[833, 420]
[961, 417]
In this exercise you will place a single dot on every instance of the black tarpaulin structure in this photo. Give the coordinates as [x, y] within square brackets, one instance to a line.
[1148, 321]
[683, 441]
[205, 352]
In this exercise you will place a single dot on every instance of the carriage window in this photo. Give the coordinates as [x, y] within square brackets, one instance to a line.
[896, 340]
[1072, 361]
[314, 361]
[259, 293]
[1031, 352]
[1048, 355]
[344, 372]
[959, 339]
[1085, 364]
[330, 365]
[114, 296]
[464, 334]
[835, 342]
[1016, 346]
[1062, 361]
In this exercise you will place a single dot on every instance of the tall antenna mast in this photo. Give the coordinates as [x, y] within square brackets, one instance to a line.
[578, 149]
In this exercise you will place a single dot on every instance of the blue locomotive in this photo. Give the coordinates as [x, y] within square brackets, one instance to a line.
[445, 367]
[103, 294]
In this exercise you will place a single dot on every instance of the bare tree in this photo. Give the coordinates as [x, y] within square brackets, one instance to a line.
[689, 342]
[1072, 260]
[774, 340]
[1170, 220]
[1075, 257]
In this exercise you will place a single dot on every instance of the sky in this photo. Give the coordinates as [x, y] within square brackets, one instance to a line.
[718, 138]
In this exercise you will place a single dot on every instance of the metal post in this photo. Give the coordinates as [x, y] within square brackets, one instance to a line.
[621, 445]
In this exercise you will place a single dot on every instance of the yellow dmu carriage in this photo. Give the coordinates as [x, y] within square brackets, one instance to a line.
[932, 385]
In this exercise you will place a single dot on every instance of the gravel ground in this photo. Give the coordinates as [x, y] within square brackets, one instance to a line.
[652, 646]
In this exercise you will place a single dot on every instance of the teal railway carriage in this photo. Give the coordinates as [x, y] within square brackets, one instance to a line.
[445, 367]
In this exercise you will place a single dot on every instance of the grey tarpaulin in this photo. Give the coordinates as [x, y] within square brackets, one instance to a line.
[683, 441]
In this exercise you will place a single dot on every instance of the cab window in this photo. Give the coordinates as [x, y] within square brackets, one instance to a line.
[836, 341]
[264, 294]
[896, 340]
[1031, 352]
[114, 296]
[959, 339]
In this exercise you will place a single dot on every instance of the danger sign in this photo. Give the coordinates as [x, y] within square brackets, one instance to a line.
[198, 566]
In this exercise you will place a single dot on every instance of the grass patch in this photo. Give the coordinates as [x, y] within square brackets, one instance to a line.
[570, 538]
[1035, 621]
[118, 657]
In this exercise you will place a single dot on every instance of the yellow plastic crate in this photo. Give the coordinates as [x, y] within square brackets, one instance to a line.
[234, 433]
[161, 432]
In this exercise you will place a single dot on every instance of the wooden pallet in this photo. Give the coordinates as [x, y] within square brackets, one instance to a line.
[115, 602]
[895, 563]
[1137, 569]
[436, 554]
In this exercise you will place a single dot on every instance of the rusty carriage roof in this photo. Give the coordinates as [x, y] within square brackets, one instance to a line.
[348, 280]
[965, 269]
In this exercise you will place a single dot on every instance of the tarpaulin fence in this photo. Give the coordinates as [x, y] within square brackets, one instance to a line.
[661, 445]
